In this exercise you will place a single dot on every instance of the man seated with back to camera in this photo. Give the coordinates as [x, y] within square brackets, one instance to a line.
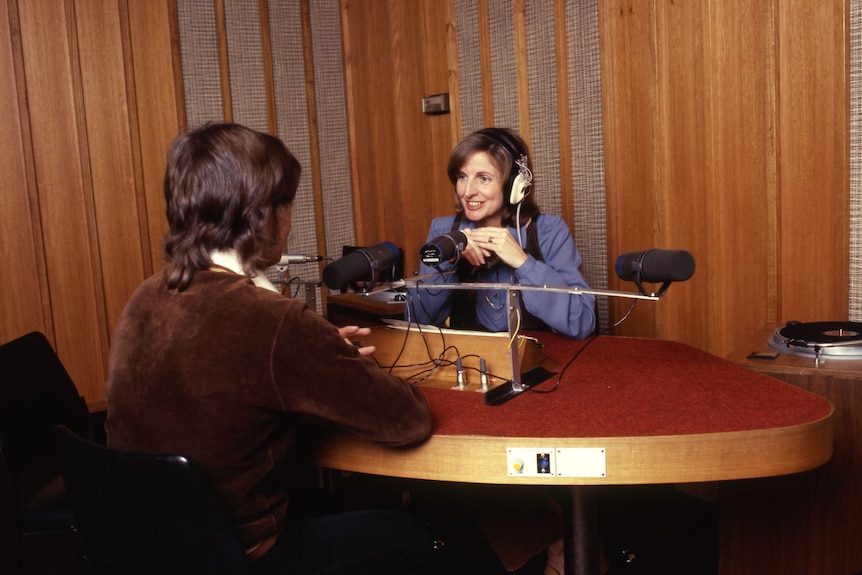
[209, 360]
[508, 241]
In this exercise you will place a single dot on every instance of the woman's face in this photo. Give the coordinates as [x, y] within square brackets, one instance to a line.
[480, 190]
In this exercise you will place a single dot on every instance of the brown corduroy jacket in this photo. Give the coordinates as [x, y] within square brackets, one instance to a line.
[225, 372]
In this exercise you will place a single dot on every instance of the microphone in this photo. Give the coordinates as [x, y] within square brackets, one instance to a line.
[363, 264]
[655, 266]
[443, 248]
[288, 259]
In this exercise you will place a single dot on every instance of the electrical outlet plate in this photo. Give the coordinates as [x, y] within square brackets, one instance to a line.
[531, 461]
[556, 462]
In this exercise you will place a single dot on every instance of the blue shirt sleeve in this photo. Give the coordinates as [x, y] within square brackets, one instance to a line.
[572, 315]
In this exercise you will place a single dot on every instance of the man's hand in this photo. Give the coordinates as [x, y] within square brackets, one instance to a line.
[350, 333]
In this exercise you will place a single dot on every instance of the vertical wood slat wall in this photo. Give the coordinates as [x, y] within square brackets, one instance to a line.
[724, 134]
[727, 133]
[396, 53]
[89, 104]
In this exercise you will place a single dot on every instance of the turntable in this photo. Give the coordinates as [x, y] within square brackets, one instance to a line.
[819, 339]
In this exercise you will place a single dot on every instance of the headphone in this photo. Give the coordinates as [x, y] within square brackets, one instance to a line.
[520, 177]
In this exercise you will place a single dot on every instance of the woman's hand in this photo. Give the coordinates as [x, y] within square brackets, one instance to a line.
[482, 243]
[351, 332]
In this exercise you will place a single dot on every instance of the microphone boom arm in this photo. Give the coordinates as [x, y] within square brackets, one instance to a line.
[418, 284]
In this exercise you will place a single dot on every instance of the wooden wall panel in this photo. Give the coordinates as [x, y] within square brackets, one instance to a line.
[723, 123]
[442, 132]
[107, 153]
[396, 53]
[813, 147]
[368, 81]
[726, 133]
[23, 307]
[66, 212]
[682, 210]
[742, 190]
[629, 90]
[408, 146]
[159, 113]
[82, 204]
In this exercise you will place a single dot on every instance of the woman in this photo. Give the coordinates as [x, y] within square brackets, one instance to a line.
[508, 240]
[210, 361]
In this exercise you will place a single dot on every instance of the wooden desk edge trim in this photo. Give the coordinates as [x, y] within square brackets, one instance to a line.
[630, 460]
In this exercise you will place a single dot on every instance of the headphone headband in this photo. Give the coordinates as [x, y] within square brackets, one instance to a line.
[520, 178]
[510, 144]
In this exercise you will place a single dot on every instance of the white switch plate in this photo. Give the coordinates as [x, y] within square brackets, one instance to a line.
[582, 462]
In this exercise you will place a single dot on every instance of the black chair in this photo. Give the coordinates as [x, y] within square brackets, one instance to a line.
[36, 393]
[145, 513]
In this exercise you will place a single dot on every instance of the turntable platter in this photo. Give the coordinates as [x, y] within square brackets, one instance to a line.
[839, 339]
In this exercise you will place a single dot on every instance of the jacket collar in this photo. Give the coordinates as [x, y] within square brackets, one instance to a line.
[230, 260]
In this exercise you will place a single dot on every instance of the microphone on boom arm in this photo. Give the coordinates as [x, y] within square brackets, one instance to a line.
[363, 264]
[446, 247]
[443, 248]
[655, 266]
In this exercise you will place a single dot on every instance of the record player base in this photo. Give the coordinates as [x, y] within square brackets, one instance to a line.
[807, 523]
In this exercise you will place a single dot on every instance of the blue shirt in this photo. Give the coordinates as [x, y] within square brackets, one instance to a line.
[568, 314]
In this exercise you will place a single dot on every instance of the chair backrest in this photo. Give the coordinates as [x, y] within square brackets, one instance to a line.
[36, 393]
[145, 513]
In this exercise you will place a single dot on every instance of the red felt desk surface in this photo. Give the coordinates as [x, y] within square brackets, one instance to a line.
[628, 387]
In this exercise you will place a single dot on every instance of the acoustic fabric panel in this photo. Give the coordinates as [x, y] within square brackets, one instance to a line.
[332, 126]
[251, 100]
[469, 66]
[504, 76]
[199, 51]
[855, 303]
[291, 106]
[544, 116]
[245, 54]
[587, 146]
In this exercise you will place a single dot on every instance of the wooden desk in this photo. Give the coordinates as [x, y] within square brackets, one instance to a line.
[810, 522]
[663, 412]
[359, 309]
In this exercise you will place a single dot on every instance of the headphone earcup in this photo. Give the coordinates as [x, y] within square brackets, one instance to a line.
[520, 189]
